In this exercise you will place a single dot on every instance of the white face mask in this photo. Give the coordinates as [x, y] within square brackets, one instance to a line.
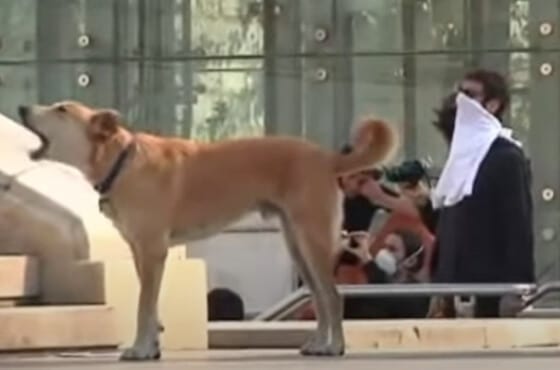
[386, 262]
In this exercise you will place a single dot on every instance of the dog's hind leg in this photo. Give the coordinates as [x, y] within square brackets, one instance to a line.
[301, 265]
[314, 236]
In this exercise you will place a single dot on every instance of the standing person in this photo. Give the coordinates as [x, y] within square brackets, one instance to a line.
[485, 228]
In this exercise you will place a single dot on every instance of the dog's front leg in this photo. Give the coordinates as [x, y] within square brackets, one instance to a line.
[137, 258]
[151, 262]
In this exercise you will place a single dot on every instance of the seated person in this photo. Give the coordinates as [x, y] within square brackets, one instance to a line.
[398, 262]
[407, 213]
[349, 269]
[225, 305]
[398, 221]
[401, 257]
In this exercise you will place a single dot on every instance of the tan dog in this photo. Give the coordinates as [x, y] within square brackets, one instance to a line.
[159, 191]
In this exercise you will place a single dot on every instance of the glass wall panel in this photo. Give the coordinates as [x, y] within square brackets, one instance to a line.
[213, 69]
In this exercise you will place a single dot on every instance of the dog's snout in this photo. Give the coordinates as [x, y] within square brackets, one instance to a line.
[23, 111]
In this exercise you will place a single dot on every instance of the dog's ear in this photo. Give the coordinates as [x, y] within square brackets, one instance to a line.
[104, 124]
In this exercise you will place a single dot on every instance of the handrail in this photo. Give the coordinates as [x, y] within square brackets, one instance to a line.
[543, 290]
[540, 313]
[295, 300]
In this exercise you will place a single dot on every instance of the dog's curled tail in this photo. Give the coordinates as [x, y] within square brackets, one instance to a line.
[374, 142]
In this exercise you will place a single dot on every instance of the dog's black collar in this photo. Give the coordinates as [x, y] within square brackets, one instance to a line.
[106, 184]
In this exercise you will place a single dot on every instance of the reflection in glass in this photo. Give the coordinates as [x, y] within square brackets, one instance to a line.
[228, 104]
[520, 71]
[226, 27]
[17, 46]
[17, 29]
[220, 93]
[431, 44]
[228, 91]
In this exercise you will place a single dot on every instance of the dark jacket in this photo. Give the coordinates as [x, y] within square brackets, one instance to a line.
[488, 237]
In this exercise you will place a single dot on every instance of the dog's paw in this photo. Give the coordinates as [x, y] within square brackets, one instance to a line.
[141, 353]
[316, 347]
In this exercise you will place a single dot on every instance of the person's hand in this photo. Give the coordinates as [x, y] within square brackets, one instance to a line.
[352, 183]
[362, 239]
[371, 188]
[423, 276]
[418, 193]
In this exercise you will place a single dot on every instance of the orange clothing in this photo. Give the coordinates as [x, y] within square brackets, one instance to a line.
[400, 221]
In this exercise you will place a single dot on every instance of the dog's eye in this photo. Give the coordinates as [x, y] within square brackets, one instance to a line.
[61, 109]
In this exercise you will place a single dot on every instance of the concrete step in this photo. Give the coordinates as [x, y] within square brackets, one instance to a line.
[19, 277]
[394, 334]
[57, 327]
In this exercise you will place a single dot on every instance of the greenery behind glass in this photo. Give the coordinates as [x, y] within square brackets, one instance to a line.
[226, 58]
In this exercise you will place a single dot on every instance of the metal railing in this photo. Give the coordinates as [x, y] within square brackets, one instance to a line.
[542, 291]
[529, 293]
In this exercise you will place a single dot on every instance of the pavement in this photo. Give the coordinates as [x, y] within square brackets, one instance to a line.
[541, 359]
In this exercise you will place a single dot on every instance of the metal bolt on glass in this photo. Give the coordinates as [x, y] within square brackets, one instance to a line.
[548, 194]
[84, 41]
[545, 29]
[545, 69]
[84, 80]
[321, 74]
[321, 34]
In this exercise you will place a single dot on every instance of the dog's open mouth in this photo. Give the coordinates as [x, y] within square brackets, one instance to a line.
[41, 151]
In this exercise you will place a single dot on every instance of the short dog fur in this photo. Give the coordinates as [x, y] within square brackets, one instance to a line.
[172, 190]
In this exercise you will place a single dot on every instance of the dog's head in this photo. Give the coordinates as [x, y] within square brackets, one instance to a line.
[70, 132]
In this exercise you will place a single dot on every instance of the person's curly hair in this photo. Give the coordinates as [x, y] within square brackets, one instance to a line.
[445, 116]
